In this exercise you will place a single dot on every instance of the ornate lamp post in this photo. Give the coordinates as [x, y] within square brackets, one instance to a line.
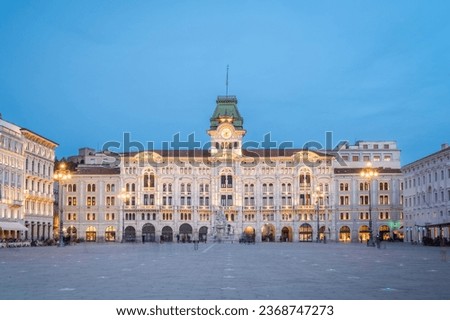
[369, 174]
[317, 194]
[124, 196]
[61, 175]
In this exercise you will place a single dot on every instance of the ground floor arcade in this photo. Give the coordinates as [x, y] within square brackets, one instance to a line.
[264, 232]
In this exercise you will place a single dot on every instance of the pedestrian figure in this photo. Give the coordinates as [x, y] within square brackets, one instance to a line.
[443, 251]
[195, 239]
[378, 241]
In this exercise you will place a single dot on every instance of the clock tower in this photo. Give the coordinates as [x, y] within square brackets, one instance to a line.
[226, 127]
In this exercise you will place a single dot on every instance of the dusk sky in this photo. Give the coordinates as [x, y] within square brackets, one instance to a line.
[82, 73]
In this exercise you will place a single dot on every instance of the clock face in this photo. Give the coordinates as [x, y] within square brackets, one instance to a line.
[226, 133]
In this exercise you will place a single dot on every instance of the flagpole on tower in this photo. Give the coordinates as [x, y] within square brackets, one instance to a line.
[226, 83]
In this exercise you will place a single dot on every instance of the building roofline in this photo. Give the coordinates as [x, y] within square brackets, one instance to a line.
[428, 156]
[25, 130]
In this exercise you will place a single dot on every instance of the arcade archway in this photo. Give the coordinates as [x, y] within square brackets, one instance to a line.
[268, 233]
[305, 233]
[148, 233]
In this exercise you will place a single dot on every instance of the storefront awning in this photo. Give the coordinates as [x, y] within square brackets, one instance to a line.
[7, 225]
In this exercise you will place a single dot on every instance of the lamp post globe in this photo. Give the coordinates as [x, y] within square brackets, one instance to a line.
[369, 174]
[61, 175]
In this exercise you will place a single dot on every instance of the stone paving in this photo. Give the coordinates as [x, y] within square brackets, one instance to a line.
[225, 271]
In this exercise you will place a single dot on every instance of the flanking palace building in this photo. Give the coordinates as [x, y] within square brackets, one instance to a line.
[427, 198]
[231, 191]
[26, 184]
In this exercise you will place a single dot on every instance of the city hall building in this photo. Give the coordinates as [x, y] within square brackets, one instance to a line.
[231, 192]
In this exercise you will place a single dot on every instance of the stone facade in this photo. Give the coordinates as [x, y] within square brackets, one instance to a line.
[427, 196]
[26, 183]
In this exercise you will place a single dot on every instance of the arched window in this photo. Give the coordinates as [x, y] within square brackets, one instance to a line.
[152, 180]
[149, 180]
[110, 234]
[91, 234]
[226, 181]
[344, 234]
[146, 180]
[305, 178]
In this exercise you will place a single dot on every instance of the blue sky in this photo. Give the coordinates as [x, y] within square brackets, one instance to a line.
[84, 72]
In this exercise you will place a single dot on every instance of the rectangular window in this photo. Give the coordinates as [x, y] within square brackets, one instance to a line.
[223, 200]
[344, 200]
[364, 200]
[90, 201]
[344, 216]
[384, 200]
[72, 201]
[355, 158]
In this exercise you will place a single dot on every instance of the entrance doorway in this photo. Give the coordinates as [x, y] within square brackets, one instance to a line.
[185, 232]
[286, 234]
[148, 233]
[130, 234]
[167, 234]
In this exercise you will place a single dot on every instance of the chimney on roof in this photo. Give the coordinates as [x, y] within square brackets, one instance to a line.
[443, 146]
[1, 117]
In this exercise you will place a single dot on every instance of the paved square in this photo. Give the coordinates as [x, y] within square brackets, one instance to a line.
[224, 271]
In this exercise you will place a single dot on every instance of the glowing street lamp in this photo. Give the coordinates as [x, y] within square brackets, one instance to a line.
[369, 174]
[124, 196]
[61, 175]
[317, 194]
